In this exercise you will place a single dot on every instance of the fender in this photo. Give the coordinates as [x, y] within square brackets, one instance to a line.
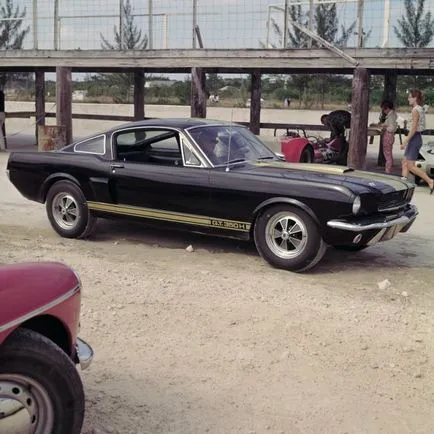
[50, 180]
[35, 289]
[293, 147]
[289, 201]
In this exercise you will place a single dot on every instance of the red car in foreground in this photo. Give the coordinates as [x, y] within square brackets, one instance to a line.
[40, 388]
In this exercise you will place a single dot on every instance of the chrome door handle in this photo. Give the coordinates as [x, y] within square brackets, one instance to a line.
[117, 165]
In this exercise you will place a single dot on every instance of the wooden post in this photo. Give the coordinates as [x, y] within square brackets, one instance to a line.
[389, 92]
[39, 100]
[255, 103]
[198, 93]
[139, 94]
[359, 119]
[64, 100]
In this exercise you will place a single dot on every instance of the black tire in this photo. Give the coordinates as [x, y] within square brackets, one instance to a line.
[306, 155]
[79, 226]
[350, 248]
[310, 246]
[43, 375]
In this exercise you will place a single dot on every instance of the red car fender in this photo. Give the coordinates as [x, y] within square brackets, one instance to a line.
[32, 290]
[293, 147]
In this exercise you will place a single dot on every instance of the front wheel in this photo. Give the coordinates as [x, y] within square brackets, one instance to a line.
[287, 237]
[306, 155]
[67, 210]
[40, 388]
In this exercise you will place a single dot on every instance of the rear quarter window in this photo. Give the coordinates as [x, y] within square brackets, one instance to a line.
[95, 145]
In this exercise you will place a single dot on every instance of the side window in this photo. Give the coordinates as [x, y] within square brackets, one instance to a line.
[158, 146]
[95, 145]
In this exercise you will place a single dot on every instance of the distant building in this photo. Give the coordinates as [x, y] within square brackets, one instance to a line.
[79, 95]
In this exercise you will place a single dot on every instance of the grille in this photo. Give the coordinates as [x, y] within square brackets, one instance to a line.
[394, 200]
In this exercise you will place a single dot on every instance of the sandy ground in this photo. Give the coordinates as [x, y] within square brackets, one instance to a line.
[218, 341]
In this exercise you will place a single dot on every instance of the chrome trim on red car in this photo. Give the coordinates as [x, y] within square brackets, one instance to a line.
[39, 310]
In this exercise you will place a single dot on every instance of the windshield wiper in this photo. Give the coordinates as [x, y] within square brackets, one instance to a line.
[236, 160]
[270, 157]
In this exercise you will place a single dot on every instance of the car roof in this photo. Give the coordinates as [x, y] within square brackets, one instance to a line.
[183, 123]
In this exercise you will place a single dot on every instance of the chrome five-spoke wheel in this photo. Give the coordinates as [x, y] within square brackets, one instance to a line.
[65, 210]
[286, 235]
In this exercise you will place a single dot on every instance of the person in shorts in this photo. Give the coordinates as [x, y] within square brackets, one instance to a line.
[413, 142]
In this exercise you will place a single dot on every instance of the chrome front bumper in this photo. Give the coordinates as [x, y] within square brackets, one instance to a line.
[84, 353]
[403, 222]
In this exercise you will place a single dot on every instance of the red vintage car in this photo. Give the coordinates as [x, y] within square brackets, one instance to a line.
[297, 147]
[40, 388]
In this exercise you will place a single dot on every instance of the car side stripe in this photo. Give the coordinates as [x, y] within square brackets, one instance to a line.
[156, 214]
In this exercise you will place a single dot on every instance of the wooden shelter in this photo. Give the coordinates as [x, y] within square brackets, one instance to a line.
[361, 63]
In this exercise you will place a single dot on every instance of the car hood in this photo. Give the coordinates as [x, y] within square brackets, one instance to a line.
[358, 181]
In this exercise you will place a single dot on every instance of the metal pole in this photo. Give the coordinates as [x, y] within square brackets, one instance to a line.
[56, 23]
[386, 24]
[267, 41]
[150, 36]
[35, 24]
[194, 22]
[285, 26]
[360, 38]
[309, 42]
[165, 25]
[121, 24]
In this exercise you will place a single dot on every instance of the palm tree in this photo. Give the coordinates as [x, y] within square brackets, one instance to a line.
[415, 29]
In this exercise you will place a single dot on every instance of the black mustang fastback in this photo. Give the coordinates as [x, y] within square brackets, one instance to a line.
[217, 178]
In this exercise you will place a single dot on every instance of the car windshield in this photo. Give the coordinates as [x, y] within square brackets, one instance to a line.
[230, 144]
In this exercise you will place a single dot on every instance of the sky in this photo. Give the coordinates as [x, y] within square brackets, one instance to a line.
[223, 23]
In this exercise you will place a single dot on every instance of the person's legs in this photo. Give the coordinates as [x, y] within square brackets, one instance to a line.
[2, 137]
[388, 139]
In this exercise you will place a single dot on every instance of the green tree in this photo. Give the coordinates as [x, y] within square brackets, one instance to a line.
[128, 37]
[12, 34]
[415, 29]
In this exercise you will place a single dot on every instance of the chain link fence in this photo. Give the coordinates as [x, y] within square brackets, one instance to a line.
[223, 24]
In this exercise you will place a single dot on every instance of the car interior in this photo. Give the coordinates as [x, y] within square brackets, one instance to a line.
[157, 146]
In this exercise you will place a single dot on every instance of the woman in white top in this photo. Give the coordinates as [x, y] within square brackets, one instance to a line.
[413, 142]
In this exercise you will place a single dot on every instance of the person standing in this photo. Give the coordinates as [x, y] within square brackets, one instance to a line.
[2, 121]
[413, 142]
[389, 125]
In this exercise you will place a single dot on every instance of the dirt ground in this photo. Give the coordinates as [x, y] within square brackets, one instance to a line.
[218, 341]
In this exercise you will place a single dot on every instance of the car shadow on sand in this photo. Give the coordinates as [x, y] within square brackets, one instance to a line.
[392, 254]
[143, 233]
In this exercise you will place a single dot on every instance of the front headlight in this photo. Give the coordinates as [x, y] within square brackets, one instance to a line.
[357, 204]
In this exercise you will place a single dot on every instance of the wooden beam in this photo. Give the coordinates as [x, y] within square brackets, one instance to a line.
[198, 93]
[255, 103]
[139, 94]
[359, 119]
[39, 100]
[377, 59]
[64, 100]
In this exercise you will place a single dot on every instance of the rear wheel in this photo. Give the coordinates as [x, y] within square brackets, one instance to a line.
[307, 155]
[40, 387]
[67, 210]
[287, 237]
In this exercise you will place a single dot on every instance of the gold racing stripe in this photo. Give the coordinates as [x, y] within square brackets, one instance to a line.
[389, 180]
[170, 216]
